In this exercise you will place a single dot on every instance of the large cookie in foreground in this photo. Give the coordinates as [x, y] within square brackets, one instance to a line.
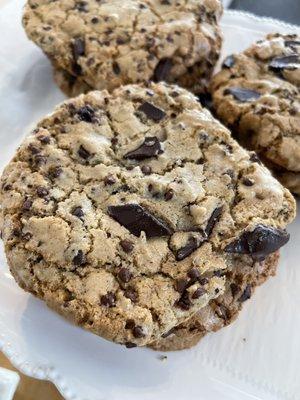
[257, 94]
[242, 277]
[107, 44]
[122, 210]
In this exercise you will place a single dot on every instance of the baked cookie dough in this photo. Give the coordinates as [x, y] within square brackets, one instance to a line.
[122, 210]
[242, 278]
[257, 95]
[106, 44]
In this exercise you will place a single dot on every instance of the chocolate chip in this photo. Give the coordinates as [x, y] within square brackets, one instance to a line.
[151, 147]
[194, 274]
[86, 113]
[198, 293]
[191, 245]
[78, 48]
[228, 62]
[42, 191]
[169, 194]
[124, 275]
[184, 302]
[78, 212]
[109, 180]
[152, 112]
[214, 218]
[279, 64]
[44, 139]
[129, 324]
[137, 332]
[246, 294]
[130, 345]
[116, 68]
[146, 170]
[27, 204]
[162, 70]
[242, 94]
[127, 245]
[260, 242]
[79, 259]
[247, 182]
[131, 294]
[94, 20]
[137, 219]
[108, 300]
[206, 100]
[203, 281]
[234, 289]
[83, 153]
[181, 284]
[55, 172]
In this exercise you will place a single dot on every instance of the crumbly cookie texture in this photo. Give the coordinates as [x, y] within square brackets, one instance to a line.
[242, 278]
[109, 43]
[121, 210]
[69, 84]
[257, 95]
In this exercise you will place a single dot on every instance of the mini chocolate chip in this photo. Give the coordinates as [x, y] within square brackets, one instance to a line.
[246, 294]
[109, 180]
[78, 48]
[108, 300]
[42, 191]
[131, 294]
[86, 113]
[127, 245]
[260, 242]
[194, 274]
[242, 94]
[152, 112]
[146, 170]
[198, 293]
[181, 284]
[116, 68]
[203, 281]
[137, 219]
[162, 70]
[169, 194]
[234, 289]
[27, 204]
[184, 302]
[137, 332]
[83, 153]
[214, 218]
[247, 182]
[151, 147]
[291, 62]
[129, 324]
[78, 212]
[228, 62]
[130, 345]
[124, 275]
[191, 245]
[79, 259]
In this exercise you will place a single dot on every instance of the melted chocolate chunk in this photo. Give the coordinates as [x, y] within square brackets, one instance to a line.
[184, 302]
[78, 212]
[137, 219]
[260, 242]
[214, 218]
[151, 147]
[191, 245]
[42, 191]
[108, 300]
[129, 324]
[86, 113]
[124, 275]
[152, 112]
[246, 294]
[228, 62]
[291, 62]
[162, 70]
[131, 294]
[242, 94]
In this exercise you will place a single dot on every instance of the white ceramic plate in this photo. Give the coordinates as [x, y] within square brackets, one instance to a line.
[257, 357]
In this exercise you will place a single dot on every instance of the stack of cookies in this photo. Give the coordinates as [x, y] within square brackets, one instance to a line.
[131, 209]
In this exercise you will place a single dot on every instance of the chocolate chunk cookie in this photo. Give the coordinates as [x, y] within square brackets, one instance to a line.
[122, 210]
[104, 44]
[257, 94]
[242, 277]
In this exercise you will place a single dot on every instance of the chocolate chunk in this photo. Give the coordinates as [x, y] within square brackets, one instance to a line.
[42, 191]
[214, 218]
[78, 212]
[181, 284]
[83, 153]
[137, 219]
[260, 242]
[162, 70]
[44, 139]
[234, 289]
[124, 275]
[149, 148]
[198, 293]
[203, 281]
[152, 112]
[130, 345]
[78, 48]
[169, 194]
[246, 294]
[194, 274]
[127, 245]
[247, 182]
[130, 324]
[206, 100]
[291, 62]
[254, 158]
[184, 302]
[55, 172]
[242, 94]
[131, 294]
[79, 259]
[27, 204]
[116, 68]
[108, 300]
[228, 62]
[146, 170]
[191, 245]
[109, 180]
[137, 332]
[86, 113]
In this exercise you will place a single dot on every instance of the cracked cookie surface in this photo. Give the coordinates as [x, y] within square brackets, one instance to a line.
[257, 94]
[121, 210]
[104, 44]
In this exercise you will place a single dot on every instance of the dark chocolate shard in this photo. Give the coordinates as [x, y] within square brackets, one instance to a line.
[260, 242]
[152, 112]
[214, 218]
[137, 219]
[192, 244]
[151, 147]
[242, 94]
[162, 70]
[228, 62]
[291, 62]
